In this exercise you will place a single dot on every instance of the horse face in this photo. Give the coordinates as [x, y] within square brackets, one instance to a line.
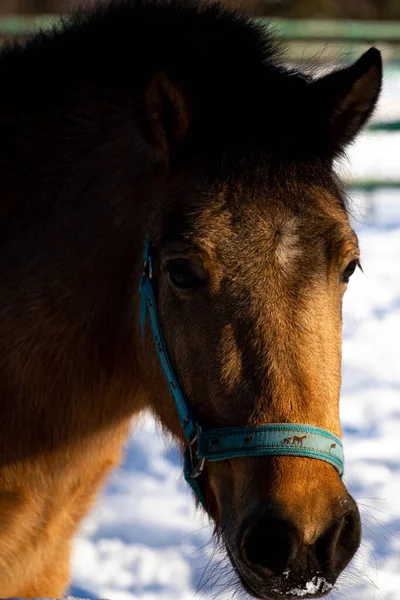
[253, 264]
[250, 292]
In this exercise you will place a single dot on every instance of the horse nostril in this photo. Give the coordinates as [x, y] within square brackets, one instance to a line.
[337, 546]
[270, 543]
[275, 544]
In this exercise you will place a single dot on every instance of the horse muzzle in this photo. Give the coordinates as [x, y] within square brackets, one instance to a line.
[275, 555]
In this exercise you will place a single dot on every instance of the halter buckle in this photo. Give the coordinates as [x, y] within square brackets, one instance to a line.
[198, 466]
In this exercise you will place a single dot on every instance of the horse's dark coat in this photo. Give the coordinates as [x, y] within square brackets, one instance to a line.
[87, 169]
[243, 101]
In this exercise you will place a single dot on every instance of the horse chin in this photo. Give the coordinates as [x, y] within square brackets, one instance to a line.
[251, 583]
[278, 587]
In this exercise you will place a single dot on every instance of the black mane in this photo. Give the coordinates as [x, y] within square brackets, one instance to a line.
[227, 65]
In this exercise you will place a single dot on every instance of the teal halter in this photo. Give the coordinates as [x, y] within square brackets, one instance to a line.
[277, 439]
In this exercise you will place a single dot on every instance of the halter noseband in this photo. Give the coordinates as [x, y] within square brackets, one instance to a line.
[276, 439]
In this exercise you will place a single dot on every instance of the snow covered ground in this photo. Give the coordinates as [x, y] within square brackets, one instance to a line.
[143, 540]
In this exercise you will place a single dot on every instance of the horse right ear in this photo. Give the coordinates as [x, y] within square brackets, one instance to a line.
[346, 98]
[167, 114]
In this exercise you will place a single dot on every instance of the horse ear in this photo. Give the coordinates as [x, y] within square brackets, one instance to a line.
[346, 98]
[167, 113]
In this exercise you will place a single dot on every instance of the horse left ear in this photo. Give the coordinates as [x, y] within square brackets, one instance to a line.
[346, 98]
[167, 113]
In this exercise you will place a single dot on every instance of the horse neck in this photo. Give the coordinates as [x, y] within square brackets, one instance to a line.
[77, 213]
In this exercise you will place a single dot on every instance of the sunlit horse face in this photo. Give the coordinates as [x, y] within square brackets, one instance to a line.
[250, 291]
[251, 272]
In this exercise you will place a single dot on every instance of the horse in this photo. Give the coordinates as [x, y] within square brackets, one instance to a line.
[177, 122]
[288, 440]
[298, 439]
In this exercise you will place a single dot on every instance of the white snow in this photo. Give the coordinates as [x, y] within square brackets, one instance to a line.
[314, 586]
[144, 540]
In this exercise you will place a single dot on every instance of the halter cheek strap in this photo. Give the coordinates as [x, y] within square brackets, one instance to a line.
[276, 439]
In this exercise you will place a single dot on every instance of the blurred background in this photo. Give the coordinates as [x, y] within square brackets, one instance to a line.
[143, 539]
[335, 9]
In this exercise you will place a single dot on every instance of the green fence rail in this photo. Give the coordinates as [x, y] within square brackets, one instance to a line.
[289, 29]
[386, 126]
[22, 26]
[331, 30]
[373, 185]
[305, 38]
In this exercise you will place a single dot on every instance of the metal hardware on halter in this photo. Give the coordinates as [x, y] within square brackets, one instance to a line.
[195, 469]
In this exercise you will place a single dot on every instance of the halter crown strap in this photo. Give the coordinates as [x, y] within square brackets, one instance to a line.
[277, 439]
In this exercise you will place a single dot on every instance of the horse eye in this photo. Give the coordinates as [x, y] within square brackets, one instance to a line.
[349, 270]
[182, 275]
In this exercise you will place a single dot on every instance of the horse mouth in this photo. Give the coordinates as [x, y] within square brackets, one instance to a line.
[279, 587]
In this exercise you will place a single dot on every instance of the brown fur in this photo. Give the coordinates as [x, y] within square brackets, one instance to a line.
[165, 131]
